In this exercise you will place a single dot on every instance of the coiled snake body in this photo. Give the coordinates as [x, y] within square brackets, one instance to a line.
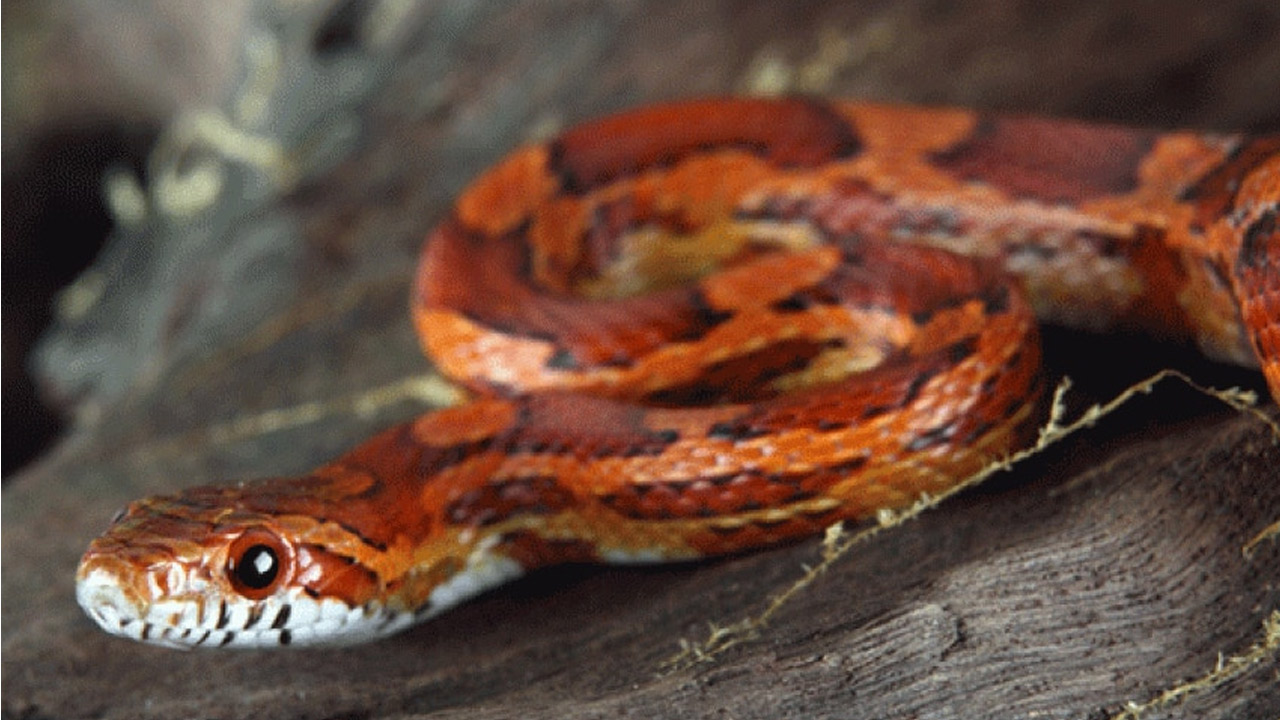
[699, 328]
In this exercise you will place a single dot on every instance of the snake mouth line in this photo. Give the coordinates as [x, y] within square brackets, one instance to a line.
[289, 619]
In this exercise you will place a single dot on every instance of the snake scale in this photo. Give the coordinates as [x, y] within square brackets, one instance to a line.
[704, 327]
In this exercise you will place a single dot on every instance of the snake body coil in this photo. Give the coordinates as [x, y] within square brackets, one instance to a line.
[699, 328]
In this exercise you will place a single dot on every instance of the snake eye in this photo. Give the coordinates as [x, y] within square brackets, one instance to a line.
[257, 564]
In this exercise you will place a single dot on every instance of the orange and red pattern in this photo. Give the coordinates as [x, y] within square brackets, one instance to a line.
[704, 327]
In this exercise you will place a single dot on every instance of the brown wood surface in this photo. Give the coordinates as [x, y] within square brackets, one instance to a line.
[229, 337]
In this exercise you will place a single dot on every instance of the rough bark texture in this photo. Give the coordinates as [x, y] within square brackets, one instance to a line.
[241, 324]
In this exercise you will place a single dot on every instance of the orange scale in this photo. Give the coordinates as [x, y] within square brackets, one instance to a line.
[465, 423]
[708, 187]
[507, 194]
[739, 490]
[687, 506]
[656, 497]
[771, 494]
[555, 238]
[723, 502]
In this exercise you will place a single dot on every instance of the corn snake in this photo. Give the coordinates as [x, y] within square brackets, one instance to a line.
[700, 328]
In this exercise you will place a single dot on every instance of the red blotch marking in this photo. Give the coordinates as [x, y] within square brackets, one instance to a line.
[790, 133]
[1052, 161]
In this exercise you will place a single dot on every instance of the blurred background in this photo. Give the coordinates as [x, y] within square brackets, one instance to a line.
[87, 87]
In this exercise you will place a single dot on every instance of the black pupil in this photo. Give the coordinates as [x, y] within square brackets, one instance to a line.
[258, 567]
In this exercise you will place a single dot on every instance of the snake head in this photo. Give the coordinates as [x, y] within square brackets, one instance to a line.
[206, 569]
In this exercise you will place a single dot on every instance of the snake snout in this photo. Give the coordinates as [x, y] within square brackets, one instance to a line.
[108, 593]
[104, 598]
